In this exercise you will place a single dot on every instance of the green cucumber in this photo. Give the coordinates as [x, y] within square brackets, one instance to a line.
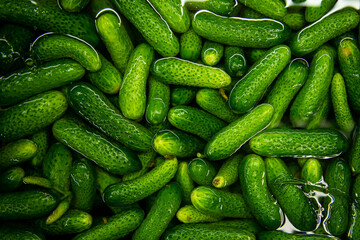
[312, 174]
[85, 98]
[32, 115]
[354, 222]
[104, 179]
[15, 230]
[73, 5]
[182, 95]
[271, 235]
[134, 190]
[11, 179]
[310, 38]
[273, 9]
[319, 143]
[150, 24]
[230, 138]
[354, 158]
[189, 214]
[250, 225]
[190, 45]
[241, 32]
[221, 7]
[181, 72]
[201, 171]
[228, 173]
[41, 139]
[290, 197]
[217, 202]
[162, 211]
[211, 53]
[147, 160]
[247, 12]
[249, 90]
[17, 152]
[295, 20]
[186, 183]
[90, 143]
[312, 14]
[132, 96]
[320, 116]
[235, 61]
[255, 54]
[112, 32]
[177, 143]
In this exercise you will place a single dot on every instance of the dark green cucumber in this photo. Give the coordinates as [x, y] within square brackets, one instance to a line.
[186, 183]
[85, 98]
[290, 197]
[177, 143]
[11, 179]
[14, 230]
[16, 153]
[241, 32]
[273, 9]
[312, 14]
[47, 16]
[256, 193]
[217, 202]
[235, 61]
[319, 118]
[211, 53]
[158, 101]
[150, 24]
[109, 155]
[319, 143]
[32, 115]
[250, 225]
[26, 204]
[354, 158]
[201, 171]
[73, 5]
[190, 45]
[162, 211]
[271, 235]
[182, 95]
[181, 72]
[41, 139]
[129, 220]
[354, 222]
[128, 192]
[255, 54]
[230, 138]
[249, 90]
[309, 39]
[229, 172]
[221, 7]
[189, 214]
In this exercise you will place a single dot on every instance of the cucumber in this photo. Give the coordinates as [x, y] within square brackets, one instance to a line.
[221, 7]
[128, 192]
[11, 179]
[15, 230]
[320, 116]
[256, 193]
[129, 220]
[230, 138]
[201, 171]
[212, 53]
[255, 54]
[270, 8]
[248, 91]
[270, 235]
[93, 145]
[189, 214]
[73, 5]
[228, 173]
[182, 95]
[285, 88]
[107, 118]
[41, 139]
[186, 183]
[317, 85]
[290, 197]
[26, 204]
[295, 20]
[162, 211]
[112, 32]
[150, 24]
[32, 115]
[217, 202]
[177, 143]
[241, 32]
[50, 47]
[147, 161]
[312, 14]
[104, 179]
[158, 101]
[17, 152]
[312, 174]
[181, 72]
[132, 96]
[235, 61]
[195, 121]
[354, 157]
[250, 225]
[190, 45]
[247, 12]
[309, 39]
[47, 16]
[354, 227]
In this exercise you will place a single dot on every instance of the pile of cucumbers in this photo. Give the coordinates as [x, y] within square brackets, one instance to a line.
[179, 119]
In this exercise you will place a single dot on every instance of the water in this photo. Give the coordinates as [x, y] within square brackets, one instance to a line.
[315, 3]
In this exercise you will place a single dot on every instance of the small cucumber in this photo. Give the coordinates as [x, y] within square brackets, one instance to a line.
[241, 32]
[271, 235]
[177, 143]
[229, 172]
[221, 7]
[73, 5]
[189, 214]
[312, 14]
[132, 96]
[201, 171]
[211, 53]
[250, 225]
[312, 174]
[11, 179]
[249, 90]
[235, 61]
[17, 152]
[230, 138]
[320, 116]
[41, 139]
[181, 72]
[270, 8]
[255, 54]
[182, 95]
[50, 47]
[134, 190]
[190, 45]
[217, 202]
[186, 183]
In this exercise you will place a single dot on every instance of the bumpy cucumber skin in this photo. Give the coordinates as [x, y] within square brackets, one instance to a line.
[32, 115]
[319, 143]
[129, 220]
[73, 6]
[217, 202]
[255, 54]
[295, 20]
[292, 200]
[201, 171]
[185, 181]
[241, 32]
[16, 153]
[190, 45]
[177, 143]
[249, 90]
[317, 85]
[221, 7]
[250, 225]
[211, 53]
[271, 235]
[321, 114]
[272, 9]
[115, 37]
[181, 72]
[311, 173]
[47, 16]
[235, 61]
[182, 95]
[309, 39]
[355, 151]
[189, 214]
[41, 139]
[229, 139]
[195, 121]
[313, 14]
[228, 172]
[354, 222]
[162, 211]
[256, 193]
[26, 204]
[153, 28]
[111, 156]
[11, 179]
[132, 96]
[285, 88]
[158, 101]
[247, 12]
[132, 191]
[85, 98]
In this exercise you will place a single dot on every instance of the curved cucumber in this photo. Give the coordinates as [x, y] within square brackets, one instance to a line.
[186, 183]
[16, 153]
[11, 179]
[211, 53]
[312, 14]
[41, 139]
[271, 235]
[190, 45]
[73, 6]
[228, 172]
[270, 8]
[235, 61]
[182, 95]
[201, 171]
[189, 214]
[221, 7]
